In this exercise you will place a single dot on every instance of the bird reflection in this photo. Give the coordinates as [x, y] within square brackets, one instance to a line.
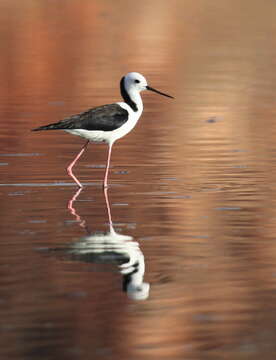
[111, 248]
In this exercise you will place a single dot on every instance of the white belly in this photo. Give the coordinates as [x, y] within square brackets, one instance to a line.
[94, 136]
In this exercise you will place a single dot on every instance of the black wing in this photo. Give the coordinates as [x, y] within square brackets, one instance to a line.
[106, 118]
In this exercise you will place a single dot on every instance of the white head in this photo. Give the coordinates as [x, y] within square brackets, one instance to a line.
[140, 292]
[135, 82]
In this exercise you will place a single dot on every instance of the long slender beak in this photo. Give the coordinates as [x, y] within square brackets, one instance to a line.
[158, 92]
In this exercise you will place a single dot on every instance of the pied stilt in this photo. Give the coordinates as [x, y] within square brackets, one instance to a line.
[107, 123]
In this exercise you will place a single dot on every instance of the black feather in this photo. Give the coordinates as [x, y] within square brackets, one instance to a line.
[126, 96]
[106, 118]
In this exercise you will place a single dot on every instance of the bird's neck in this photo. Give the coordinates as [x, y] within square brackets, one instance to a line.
[132, 98]
[135, 277]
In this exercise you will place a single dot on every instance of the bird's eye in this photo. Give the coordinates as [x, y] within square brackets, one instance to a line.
[137, 81]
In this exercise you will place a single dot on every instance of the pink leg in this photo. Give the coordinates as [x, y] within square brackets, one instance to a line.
[70, 167]
[107, 206]
[107, 165]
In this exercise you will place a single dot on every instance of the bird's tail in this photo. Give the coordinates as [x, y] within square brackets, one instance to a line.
[55, 126]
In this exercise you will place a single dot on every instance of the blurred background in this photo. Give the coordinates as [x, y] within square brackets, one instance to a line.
[193, 186]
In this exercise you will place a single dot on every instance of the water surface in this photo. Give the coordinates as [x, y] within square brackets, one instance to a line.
[186, 269]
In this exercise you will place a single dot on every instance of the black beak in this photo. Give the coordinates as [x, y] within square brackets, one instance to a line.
[158, 92]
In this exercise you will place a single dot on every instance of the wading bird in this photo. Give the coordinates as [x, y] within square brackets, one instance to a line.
[107, 123]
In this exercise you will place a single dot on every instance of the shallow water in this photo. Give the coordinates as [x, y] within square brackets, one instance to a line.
[192, 188]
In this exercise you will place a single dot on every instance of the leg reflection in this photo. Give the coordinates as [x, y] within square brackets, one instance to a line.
[72, 210]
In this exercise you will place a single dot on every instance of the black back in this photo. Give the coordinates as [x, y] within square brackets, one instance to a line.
[106, 118]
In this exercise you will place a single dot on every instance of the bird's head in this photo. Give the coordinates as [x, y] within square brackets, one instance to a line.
[134, 81]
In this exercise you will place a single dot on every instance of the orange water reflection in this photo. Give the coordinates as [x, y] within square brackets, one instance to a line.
[194, 183]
